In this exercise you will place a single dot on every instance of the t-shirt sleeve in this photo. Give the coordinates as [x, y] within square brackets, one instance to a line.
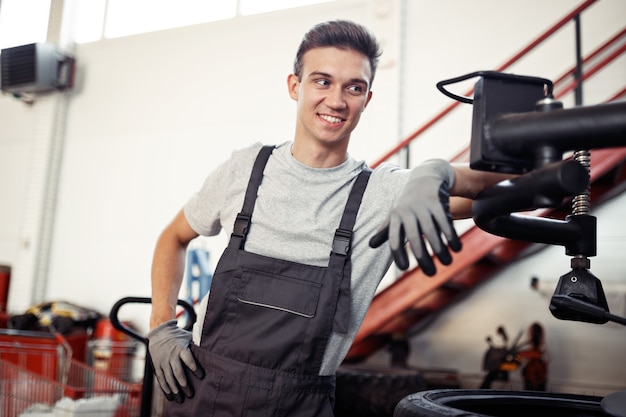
[205, 209]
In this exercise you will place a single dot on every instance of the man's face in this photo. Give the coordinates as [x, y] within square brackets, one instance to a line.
[333, 91]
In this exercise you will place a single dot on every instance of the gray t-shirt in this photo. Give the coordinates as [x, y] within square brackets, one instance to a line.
[297, 211]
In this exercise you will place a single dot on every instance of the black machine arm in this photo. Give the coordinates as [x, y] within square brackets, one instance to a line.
[534, 135]
[519, 128]
[545, 187]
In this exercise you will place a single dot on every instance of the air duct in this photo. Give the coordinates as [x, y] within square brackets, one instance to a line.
[35, 68]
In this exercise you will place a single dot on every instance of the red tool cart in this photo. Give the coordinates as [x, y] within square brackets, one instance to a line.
[40, 377]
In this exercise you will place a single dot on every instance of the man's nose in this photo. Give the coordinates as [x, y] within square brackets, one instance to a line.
[335, 98]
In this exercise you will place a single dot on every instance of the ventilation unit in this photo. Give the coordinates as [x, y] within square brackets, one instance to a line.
[35, 68]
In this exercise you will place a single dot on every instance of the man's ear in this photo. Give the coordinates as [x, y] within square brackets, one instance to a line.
[293, 83]
[369, 97]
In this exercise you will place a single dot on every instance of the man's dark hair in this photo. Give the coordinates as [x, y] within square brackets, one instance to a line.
[341, 34]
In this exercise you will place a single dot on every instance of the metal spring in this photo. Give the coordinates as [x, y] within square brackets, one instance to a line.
[581, 202]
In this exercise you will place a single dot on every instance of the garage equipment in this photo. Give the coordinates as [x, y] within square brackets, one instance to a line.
[152, 400]
[39, 376]
[519, 128]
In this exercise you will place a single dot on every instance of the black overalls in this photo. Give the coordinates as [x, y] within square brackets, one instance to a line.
[268, 322]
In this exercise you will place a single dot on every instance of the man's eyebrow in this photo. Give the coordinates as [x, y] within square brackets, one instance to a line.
[326, 75]
[320, 74]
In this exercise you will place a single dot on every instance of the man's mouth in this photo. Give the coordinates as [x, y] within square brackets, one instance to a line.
[331, 119]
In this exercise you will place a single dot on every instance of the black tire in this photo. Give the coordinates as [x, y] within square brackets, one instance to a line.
[495, 403]
[373, 392]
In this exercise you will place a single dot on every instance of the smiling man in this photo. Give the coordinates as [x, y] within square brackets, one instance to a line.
[293, 285]
[330, 103]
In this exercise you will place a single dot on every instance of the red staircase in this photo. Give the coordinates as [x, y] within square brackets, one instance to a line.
[414, 298]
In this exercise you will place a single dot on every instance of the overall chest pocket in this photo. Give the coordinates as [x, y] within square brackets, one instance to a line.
[275, 321]
[281, 293]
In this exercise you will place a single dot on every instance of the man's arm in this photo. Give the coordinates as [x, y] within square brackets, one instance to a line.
[468, 184]
[168, 265]
[168, 344]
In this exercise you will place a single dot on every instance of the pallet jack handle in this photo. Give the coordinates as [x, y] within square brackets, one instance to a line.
[148, 376]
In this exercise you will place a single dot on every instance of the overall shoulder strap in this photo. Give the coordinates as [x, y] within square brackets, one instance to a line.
[343, 235]
[340, 254]
[242, 222]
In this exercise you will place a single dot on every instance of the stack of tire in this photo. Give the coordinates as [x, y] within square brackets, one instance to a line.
[374, 392]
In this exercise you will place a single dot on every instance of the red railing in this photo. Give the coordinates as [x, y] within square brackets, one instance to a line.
[594, 54]
[516, 57]
[592, 70]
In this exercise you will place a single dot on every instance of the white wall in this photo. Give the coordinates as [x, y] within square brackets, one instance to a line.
[152, 114]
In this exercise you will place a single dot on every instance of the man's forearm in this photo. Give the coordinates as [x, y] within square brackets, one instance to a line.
[167, 275]
[470, 182]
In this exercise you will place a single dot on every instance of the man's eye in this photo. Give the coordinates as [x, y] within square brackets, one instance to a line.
[355, 89]
[322, 82]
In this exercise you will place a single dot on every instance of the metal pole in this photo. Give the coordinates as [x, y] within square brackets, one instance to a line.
[54, 138]
[405, 159]
[578, 74]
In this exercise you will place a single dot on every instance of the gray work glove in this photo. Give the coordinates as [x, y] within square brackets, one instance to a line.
[421, 212]
[168, 346]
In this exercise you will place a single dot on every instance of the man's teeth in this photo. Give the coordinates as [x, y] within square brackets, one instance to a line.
[331, 119]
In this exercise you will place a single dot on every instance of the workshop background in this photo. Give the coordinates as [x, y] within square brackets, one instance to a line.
[89, 176]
